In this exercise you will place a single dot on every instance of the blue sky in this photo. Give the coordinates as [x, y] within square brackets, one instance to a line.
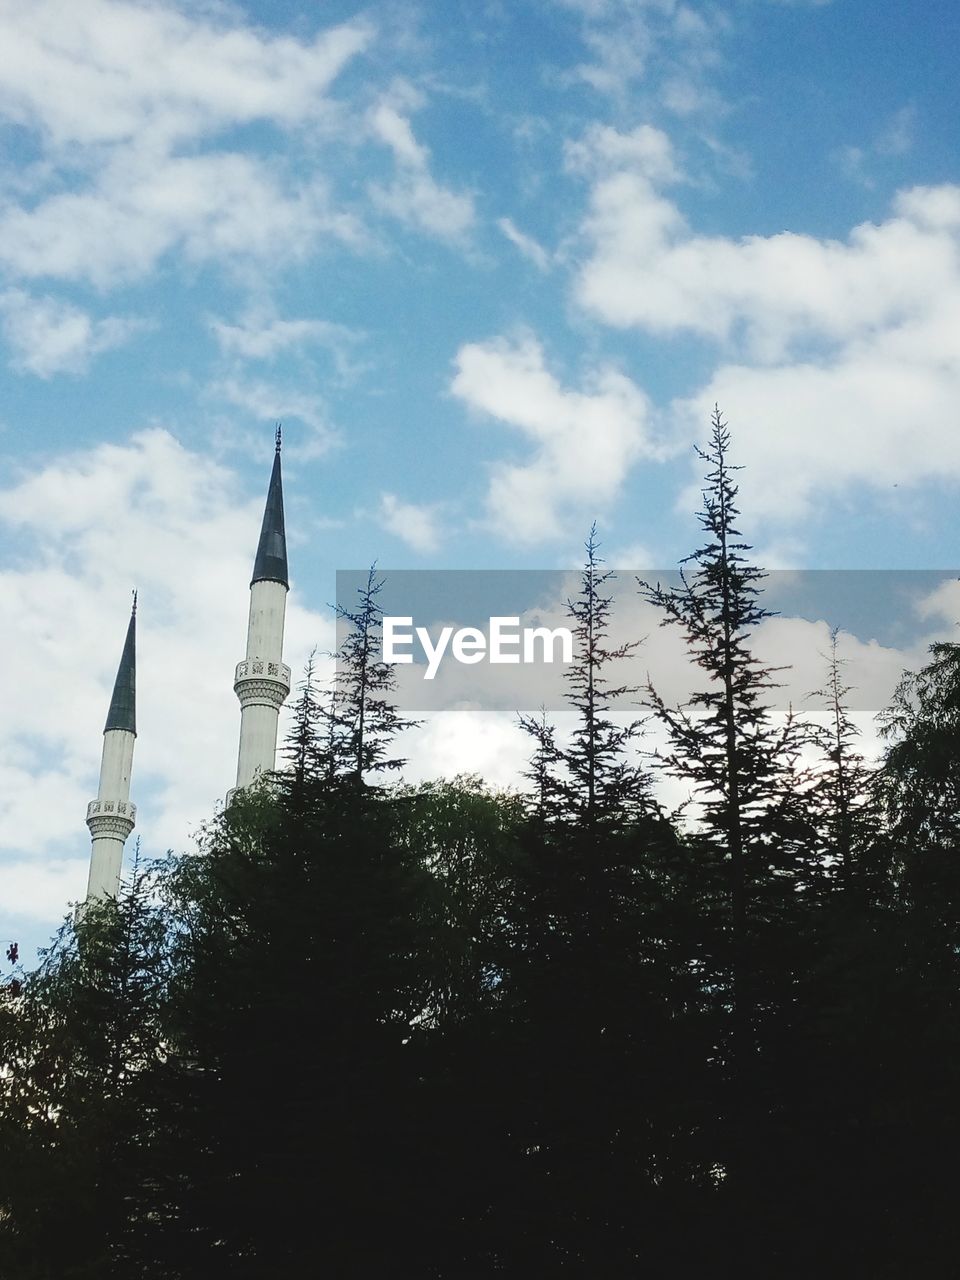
[491, 264]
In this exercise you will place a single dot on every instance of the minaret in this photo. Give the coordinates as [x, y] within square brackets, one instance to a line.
[111, 816]
[262, 681]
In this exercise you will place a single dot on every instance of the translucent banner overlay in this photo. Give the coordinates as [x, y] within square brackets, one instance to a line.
[494, 639]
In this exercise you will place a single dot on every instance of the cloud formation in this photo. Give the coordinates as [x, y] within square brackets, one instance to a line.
[416, 525]
[525, 244]
[413, 195]
[111, 71]
[584, 441]
[133, 110]
[47, 336]
[830, 351]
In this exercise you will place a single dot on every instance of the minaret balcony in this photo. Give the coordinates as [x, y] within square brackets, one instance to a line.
[260, 682]
[112, 818]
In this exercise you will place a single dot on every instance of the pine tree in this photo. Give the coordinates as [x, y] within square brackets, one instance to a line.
[604, 785]
[543, 771]
[362, 720]
[725, 741]
[302, 961]
[590, 975]
[843, 798]
[752, 839]
[303, 748]
[593, 782]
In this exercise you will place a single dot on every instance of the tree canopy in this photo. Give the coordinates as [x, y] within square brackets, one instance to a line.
[370, 1028]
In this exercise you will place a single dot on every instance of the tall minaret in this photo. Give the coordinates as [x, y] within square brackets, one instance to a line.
[262, 681]
[111, 816]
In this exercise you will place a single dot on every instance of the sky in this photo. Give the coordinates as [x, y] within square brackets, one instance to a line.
[492, 264]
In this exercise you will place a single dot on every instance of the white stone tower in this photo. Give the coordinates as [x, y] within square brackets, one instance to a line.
[111, 816]
[262, 680]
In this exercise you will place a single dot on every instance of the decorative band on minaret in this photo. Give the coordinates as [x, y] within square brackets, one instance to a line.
[262, 680]
[111, 817]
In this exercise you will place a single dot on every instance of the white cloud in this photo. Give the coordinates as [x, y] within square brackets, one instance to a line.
[99, 72]
[898, 135]
[645, 150]
[663, 47]
[263, 337]
[803, 647]
[388, 123]
[89, 526]
[811, 432]
[128, 103]
[413, 195]
[526, 244]
[832, 350]
[486, 743]
[647, 267]
[41, 891]
[269, 402]
[633, 556]
[416, 525]
[895, 140]
[47, 336]
[584, 441]
[943, 603]
[222, 207]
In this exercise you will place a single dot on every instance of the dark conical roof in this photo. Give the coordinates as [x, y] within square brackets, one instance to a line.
[271, 562]
[123, 704]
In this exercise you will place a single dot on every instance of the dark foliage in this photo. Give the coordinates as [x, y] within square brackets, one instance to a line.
[441, 1031]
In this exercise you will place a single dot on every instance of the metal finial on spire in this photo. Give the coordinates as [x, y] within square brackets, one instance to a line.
[279, 438]
[134, 609]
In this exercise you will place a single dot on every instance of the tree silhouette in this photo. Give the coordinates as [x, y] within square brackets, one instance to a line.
[362, 719]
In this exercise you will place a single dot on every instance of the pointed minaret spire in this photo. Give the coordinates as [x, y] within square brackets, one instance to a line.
[123, 704]
[262, 680]
[271, 562]
[111, 817]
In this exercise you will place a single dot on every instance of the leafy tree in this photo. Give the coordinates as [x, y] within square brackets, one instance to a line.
[81, 1046]
[921, 774]
[868, 1080]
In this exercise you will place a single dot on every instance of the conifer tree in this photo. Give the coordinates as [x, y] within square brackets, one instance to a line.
[362, 719]
[303, 748]
[543, 771]
[725, 741]
[589, 972]
[843, 798]
[752, 838]
[592, 782]
[302, 959]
